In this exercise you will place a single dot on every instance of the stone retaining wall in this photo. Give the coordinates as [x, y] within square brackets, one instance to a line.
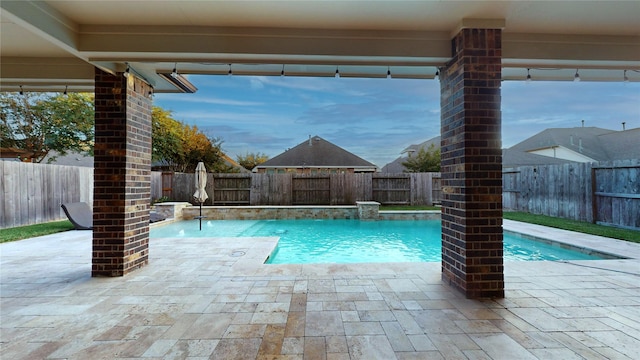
[185, 211]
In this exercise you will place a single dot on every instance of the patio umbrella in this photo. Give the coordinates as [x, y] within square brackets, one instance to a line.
[201, 181]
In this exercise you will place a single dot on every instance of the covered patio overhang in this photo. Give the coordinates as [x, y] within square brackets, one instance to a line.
[471, 45]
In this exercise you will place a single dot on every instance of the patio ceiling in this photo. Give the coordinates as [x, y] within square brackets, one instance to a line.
[50, 45]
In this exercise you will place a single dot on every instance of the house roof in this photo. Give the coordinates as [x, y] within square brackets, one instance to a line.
[396, 166]
[70, 159]
[317, 152]
[583, 140]
[596, 143]
[423, 145]
[622, 145]
[511, 158]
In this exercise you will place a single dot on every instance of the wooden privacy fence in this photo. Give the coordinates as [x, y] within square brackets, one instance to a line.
[607, 194]
[309, 189]
[601, 193]
[32, 193]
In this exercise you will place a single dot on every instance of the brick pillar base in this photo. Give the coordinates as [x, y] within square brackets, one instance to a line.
[122, 174]
[472, 249]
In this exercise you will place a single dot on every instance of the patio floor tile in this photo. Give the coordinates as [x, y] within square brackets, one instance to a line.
[195, 301]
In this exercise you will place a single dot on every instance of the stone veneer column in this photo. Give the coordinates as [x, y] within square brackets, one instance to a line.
[472, 252]
[122, 174]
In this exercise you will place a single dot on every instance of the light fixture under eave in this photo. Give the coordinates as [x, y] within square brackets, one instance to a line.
[174, 73]
[126, 72]
[230, 72]
[388, 72]
[576, 77]
[528, 76]
[436, 76]
[282, 72]
[21, 91]
[337, 72]
[65, 90]
[180, 82]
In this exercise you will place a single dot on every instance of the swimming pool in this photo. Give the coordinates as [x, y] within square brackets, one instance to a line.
[354, 241]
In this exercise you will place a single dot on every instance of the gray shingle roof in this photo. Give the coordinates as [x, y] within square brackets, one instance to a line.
[583, 140]
[317, 152]
[597, 143]
[622, 145]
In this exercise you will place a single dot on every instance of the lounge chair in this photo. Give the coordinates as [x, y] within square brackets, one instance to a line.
[80, 215]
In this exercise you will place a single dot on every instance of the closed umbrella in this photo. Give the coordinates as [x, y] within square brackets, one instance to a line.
[201, 181]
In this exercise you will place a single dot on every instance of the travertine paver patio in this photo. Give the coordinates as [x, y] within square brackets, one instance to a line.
[198, 300]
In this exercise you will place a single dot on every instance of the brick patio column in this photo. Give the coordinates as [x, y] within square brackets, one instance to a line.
[472, 252]
[122, 174]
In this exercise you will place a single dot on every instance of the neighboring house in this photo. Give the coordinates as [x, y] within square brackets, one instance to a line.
[396, 166]
[555, 146]
[316, 155]
[579, 144]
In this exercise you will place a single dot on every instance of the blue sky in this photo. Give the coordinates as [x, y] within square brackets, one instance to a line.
[377, 118]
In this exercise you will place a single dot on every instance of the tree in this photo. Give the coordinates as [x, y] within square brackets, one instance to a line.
[251, 160]
[426, 160]
[180, 147]
[166, 136]
[42, 123]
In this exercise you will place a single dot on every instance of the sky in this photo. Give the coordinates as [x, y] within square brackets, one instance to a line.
[377, 118]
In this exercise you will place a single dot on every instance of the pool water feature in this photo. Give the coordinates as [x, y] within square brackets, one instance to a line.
[355, 241]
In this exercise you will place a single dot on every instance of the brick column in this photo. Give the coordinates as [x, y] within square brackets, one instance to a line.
[122, 174]
[472, 252]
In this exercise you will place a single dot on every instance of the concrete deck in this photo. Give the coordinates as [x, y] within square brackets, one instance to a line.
[214, 299]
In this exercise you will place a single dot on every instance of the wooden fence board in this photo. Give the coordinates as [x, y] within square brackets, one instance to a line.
[9, 175]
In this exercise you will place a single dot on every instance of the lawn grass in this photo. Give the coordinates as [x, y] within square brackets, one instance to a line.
[573, 225]
[24, 232]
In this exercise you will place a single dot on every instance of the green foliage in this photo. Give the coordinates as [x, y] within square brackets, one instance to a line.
[180, 147]
[29, 231]
[161, 200]
[42, 123]
[251, 160]
[426, 160]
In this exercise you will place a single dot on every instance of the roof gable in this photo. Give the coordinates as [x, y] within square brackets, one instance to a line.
[316, 152]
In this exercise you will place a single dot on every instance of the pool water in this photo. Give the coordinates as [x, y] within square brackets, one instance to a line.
[354, 241]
